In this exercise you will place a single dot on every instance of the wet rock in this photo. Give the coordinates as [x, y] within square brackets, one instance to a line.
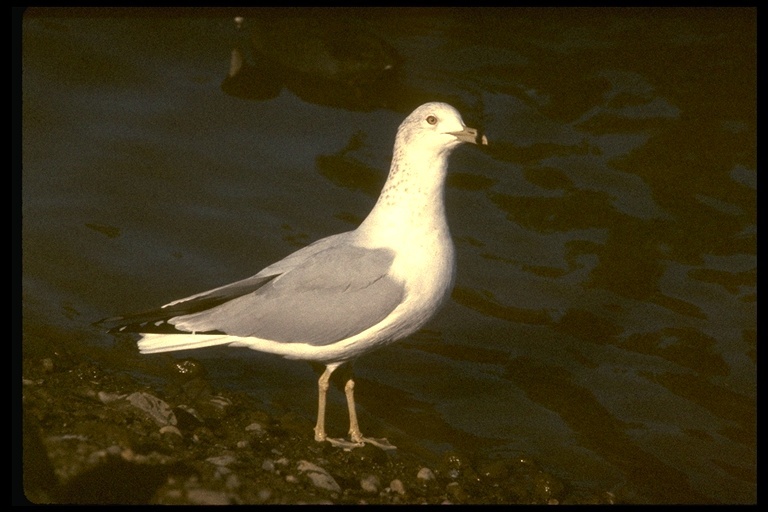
[187, 418]
[494, 470]
[189, 368]
[546, 487]
[456, 465]
[88, 447]
[318, 476]
[159, 411]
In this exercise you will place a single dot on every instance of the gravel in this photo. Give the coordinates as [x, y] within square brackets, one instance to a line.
[95, 436]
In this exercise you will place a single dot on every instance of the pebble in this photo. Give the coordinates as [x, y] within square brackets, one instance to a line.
[192, 462]
[159, 411]
[107, 398]
[397, 486]
[425, 475]
[256, 427]
[222, 460]
[170, 429]
[318, 476]
[370, 483]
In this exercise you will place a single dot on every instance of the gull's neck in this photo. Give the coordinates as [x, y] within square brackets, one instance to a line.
[411, 203]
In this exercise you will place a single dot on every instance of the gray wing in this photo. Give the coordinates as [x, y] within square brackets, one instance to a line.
[156, 320]
[323, 293]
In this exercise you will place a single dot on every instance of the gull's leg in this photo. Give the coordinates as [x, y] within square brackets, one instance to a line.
[322, 390]
[354, 428]
[356, 437]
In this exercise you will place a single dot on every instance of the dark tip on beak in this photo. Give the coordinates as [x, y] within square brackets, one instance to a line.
[472, 136]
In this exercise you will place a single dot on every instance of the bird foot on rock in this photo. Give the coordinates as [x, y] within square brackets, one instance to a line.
[380, 442]
[347, 445]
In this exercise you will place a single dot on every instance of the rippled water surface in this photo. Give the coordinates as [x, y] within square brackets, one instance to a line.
[604, 317]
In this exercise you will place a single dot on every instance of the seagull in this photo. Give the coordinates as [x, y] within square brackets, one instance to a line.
[344, 295]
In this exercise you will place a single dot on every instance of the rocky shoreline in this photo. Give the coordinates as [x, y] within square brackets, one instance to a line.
[95, 436]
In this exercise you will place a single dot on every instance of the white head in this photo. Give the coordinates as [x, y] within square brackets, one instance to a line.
[413, 193]
[436, 127]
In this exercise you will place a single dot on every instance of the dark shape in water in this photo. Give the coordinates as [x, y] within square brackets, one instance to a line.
[330, 61]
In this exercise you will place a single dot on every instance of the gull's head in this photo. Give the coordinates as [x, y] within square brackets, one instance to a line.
[437, 127]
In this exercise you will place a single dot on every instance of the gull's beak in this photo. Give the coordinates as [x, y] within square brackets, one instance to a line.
[470, 135]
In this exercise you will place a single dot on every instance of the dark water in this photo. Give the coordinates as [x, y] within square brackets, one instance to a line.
[604, 316]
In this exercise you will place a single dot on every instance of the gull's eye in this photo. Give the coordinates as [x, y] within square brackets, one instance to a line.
[431, 119]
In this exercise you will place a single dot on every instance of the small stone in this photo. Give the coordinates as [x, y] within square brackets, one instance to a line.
[158, 410]
[213, 407]
[96, 457]
[107, 398]
[170, 429]
[370, 483]
[222, 460]
[255, 427]
[220, 402]
[318, 476]
[425, 475]
[268, 465]
[397, 486]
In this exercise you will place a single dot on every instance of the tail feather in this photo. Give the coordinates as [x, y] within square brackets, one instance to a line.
[152, 343]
